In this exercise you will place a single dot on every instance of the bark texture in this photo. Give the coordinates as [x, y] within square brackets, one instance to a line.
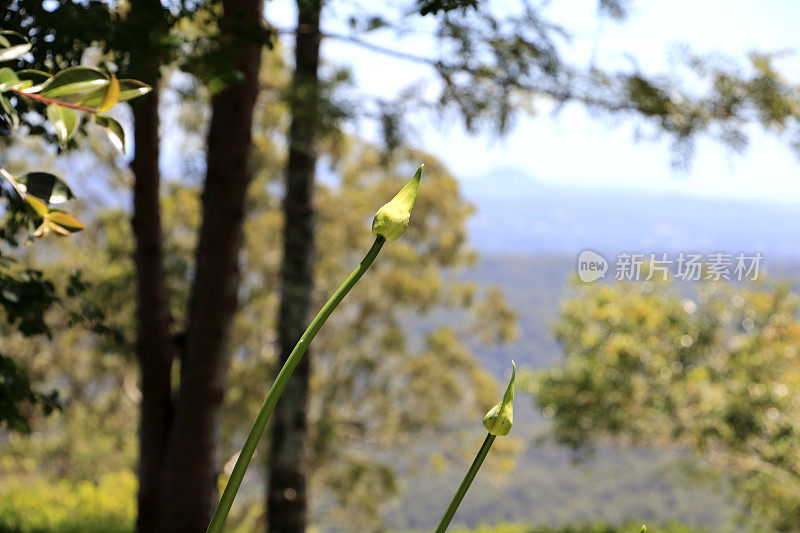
[191, 468]
[154, 348]
[288, 468]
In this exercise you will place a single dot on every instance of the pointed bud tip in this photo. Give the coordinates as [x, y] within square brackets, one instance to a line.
[500, 418]
[392, 218]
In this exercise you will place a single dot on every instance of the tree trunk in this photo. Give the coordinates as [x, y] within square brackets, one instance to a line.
[192, 467]
[286, 492]
[154, 346]
[153, 343]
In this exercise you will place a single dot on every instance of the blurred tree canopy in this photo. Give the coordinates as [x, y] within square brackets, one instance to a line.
[371, 386]
[716, 373]
[46, 104]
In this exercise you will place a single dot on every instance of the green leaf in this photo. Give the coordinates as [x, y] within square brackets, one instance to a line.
[38, 207]
[113, 129]
[45, 186]
[64, 120]
[36, 77]
[14, 46]
[644, 529]
[9, 80]
[9, 111]
[75, 83]
[128, 90]
[64, 221]
[500, 417]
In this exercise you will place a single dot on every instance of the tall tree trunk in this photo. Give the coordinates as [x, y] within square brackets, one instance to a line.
[191, 469]
[154, 345]
[286, 494]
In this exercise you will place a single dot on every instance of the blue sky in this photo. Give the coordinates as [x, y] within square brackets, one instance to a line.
[575, 148]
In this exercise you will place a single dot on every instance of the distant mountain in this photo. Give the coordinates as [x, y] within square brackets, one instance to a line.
[529, 235]
[517, 214]
[615, 485]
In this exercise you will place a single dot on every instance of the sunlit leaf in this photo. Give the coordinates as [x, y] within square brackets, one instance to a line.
[113, 129]
[111, 96]
[64, 221]
[37, 78]
[45, 186]
[75, 83]
[14, 46]
[37, 206]
[64, 120]
[9, 80]
[58, 230]
[129, 89]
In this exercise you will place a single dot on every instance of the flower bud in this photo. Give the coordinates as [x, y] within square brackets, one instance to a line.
[391, 220]
[500, 417]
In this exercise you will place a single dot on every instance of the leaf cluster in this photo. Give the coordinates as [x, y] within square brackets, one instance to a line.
[69, 96]
[717, 373]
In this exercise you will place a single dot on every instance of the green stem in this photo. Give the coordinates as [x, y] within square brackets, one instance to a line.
[462, 489]
[275, 391]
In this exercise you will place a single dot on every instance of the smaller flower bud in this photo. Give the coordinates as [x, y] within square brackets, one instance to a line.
[391, 220]
[500, 417]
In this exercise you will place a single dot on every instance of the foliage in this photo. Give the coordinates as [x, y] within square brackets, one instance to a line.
[493, 63]
[357, 408]
[15, 390]
[589, 528]
[87, 90]
[69, 97]
[26, 296]
[353, 427]
[716, 373]
[516, 61]
[62, 506]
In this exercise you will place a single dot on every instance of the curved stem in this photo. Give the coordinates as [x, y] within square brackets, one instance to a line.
[462, 489]
[279, 384]
[46, 100]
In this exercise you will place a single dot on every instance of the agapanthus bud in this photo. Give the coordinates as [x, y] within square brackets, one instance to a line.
[500, 417]
[391, 220]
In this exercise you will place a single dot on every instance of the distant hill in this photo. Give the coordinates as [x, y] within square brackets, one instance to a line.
[529, 235]
[617, 485]
[516, 214]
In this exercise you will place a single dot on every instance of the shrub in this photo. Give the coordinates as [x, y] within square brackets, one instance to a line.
[38, 506]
